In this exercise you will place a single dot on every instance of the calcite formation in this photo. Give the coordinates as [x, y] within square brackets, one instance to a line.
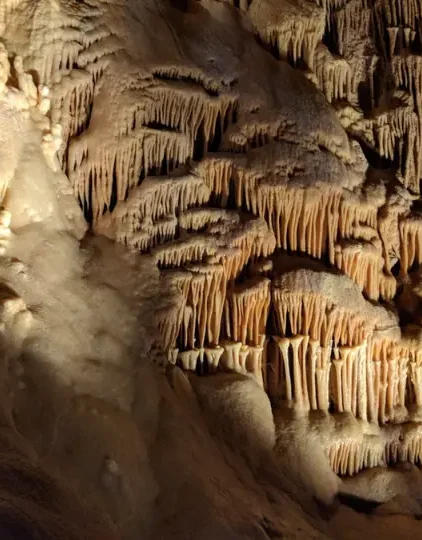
[273, 175]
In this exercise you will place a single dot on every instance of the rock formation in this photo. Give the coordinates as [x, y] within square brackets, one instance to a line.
[257, 170]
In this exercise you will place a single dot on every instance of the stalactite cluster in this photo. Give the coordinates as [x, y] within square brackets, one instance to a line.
[280, 202]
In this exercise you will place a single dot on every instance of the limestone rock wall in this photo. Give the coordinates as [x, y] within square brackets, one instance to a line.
[267, 155]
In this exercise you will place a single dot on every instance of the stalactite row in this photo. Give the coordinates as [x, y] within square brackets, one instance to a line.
[349, 22]
[363, 262]
[193, 324]
[315, 316]
[253, 239]
[151, 234]
[195, 248]
[407, 71]
[341, 356]
[212, 303]
[401, 20]
[296, 38]
[217, 173]
[410, 242]
[74, 94]
[204, 287]
[354, 214]
[303, 368]
[229, 356]
[312, 377]
[356, 27]
[181, 107]
[246, 311]
[63, 39]
[408, 450]
[335, 76]
[374, 385]
[157, 198]
[397, 130]
[99, 45]
[74, 56]
[349, 457]
[117, 167]
[340, 226]
[397, 136]
[171, 317]
[405, 13]
[353, 233]
[303, 219]
[195, 219]
[299, 34]
[161, 135]
[205, 297]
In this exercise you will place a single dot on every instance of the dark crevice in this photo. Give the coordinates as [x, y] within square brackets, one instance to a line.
[215, 142]
[363, 506]
[87, 202]
[158, 126]
[372, 156]
[200, 144]
[113, 196]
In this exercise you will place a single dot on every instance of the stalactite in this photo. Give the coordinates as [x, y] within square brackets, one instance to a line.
[144, 149]
[251, 240]
[397, 135]
[246, 311]
[335, 76]
[363, 262]
[180, 106]
[172, 355]
[294, 33]
[171, 318]
[204, 296]
[345, 389]
[299, 186]
[189, 359]
[151, 234]
[352, 351]
[179, 252]
[213, 356]
[407, 71]
[410, 242]
[295, 374]
[352, 19]
[302, 220]
[198, 218]
[317, 317]
[217, 173]
[156, 198]
[349, 457]
[231, 357]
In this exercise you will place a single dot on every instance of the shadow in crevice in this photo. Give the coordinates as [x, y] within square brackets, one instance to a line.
[363, 506]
